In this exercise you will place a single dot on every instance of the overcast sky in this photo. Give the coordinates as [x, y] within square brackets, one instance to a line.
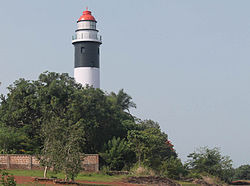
[186, 63]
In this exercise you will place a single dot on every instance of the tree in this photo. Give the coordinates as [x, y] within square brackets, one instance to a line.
[62, 134]
[63, 103]
[29, 104]
[242, 172]
[123, 100]
[173, 168]
[62, 147]
[12, 141]
[138, 142]
[58, 118]
[103, 118]
[145, 124]
[211, 161]
[117, 154]
[20, 110]
[150, 147]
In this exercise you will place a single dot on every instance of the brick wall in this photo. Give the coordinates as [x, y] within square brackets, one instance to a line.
[90, 162]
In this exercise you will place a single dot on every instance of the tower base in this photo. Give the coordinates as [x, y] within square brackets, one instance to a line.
[87, 76]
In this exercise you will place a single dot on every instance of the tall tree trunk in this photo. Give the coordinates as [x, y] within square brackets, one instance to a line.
[140, 160]
[66, 177]
[45, 172]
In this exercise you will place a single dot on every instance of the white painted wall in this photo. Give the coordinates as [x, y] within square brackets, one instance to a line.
[86, 35]
[86, 25]
[87, 75]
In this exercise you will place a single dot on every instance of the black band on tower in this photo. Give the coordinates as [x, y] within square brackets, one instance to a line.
[87, 54]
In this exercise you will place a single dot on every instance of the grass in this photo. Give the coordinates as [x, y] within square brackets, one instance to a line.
[32, 173]
[82, 176]
[100, 177]
[95, 177]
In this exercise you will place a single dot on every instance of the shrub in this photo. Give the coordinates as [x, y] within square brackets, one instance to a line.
[173, 168]
[117, 154]
[211, 161]
[7, 180]
[242, 172]
[142, 170]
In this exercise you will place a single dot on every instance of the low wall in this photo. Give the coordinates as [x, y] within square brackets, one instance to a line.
[90, 162]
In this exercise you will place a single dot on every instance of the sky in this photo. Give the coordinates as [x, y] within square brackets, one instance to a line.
[184, 62]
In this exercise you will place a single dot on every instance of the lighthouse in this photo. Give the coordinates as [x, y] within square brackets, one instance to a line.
[87, 52]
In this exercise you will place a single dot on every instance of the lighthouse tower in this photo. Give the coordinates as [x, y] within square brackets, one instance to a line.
[87, 54]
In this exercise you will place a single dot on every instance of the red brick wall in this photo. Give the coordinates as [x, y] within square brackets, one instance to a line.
[90, 162]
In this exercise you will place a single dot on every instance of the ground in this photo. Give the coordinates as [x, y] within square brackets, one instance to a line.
[27, 180]
[27, 177]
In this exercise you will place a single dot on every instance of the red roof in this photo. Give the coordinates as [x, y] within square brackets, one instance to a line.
[87, 16]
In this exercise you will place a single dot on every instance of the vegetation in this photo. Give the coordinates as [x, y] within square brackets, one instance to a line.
[81, 176]
[7, 179]
[210, 161]
[173, 168]
[59, 121]
[117, 154]
[242, 173]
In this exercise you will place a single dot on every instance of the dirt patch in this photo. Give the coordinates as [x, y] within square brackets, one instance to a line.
[27, 180]
[203, 182]
[49, 182]
[152, 180]
[241, 182]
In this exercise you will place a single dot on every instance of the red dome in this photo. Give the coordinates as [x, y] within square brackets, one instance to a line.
[87, 16]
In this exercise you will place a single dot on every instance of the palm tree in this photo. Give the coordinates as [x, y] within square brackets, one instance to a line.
[123, 100]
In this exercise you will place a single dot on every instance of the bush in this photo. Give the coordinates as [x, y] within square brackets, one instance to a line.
[193, 175]
[105, 169]
[242, 172]
[173, 168]
[142, 170]
[7, 180]
[117, 154]
[211, 161]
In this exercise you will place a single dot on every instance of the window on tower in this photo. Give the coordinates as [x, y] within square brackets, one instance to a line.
[92, 25]
[83, 50]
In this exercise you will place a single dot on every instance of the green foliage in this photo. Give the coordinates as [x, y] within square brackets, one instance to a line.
[61, 120]
[173, 168]
[142, 170]
[150, 147]
[138, 141]
[62, 147]
[212, 162]
[30, 104]
[242, 173]
[12, 141]
[123, 100]
[20, 110]
[193, 175]
[49, 116]
[103, 120]
[146, 124]
[7, 180]
[117, 154]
